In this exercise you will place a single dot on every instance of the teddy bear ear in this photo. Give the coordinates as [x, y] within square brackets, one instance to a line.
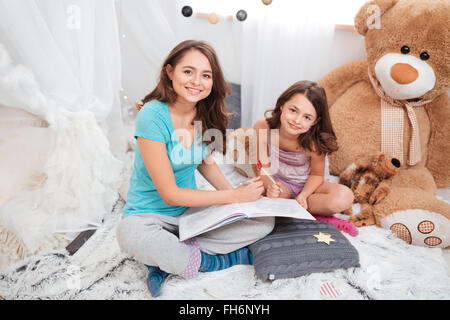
[377, 159]
[381, 156]
[369, 16]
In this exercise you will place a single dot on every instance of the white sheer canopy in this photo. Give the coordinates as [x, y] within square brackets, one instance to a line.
[147, 34]
[282, 43]
[78, 63]
[60, 61]
[72, 49]
[78, 55]
[275, 46]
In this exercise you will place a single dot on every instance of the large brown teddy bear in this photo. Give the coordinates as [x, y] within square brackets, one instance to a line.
[395, 102]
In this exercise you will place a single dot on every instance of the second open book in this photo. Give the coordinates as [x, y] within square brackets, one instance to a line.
[198, 220]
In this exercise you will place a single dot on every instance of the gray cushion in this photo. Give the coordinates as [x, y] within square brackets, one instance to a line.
[291, 250]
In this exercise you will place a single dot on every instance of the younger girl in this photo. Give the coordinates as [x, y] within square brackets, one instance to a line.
[191, 89]
[301, 124]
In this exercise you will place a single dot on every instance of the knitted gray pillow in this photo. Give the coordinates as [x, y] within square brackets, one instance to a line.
[291, 250]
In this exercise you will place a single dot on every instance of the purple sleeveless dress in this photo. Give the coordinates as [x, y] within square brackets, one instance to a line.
[291, 168]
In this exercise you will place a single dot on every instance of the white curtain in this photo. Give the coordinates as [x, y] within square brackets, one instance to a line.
[149, 29]
[147, 34]
[60, 60]
[72, 48]
[282, 43]
[225, 36]
[74, 63]
[275, 46]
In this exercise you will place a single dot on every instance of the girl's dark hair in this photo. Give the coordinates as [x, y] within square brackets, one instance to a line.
[211, 111]
[320, 137]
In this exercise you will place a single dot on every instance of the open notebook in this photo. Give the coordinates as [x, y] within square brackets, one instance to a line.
[198, 220]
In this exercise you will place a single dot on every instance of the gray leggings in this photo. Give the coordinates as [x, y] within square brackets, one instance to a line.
[153, 239]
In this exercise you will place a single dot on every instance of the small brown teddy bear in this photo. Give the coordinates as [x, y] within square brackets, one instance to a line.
[369, 180]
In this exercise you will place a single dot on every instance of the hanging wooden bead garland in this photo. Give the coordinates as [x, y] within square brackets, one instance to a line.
[186, 11]
[213, 18]
[241, 15]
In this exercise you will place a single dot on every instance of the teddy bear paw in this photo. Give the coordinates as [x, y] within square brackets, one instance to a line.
[378, 195]
[419, 227]
[361, 220]
[348, 211]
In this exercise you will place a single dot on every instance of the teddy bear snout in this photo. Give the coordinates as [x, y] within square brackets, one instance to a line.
[387, 168]
[395, 162]
[404, 73]
[404, 76]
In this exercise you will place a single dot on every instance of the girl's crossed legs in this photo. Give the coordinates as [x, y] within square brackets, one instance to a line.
[328, 199]
[153, 240]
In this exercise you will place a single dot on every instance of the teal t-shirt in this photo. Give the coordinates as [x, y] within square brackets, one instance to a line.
[153, 122]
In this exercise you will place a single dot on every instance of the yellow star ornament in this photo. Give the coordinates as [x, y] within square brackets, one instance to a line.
[324, 237]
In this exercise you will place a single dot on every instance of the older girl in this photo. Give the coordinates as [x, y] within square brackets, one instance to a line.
[191, 90]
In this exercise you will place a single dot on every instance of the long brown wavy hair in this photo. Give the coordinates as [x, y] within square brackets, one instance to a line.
[321, 136]
[211, 111]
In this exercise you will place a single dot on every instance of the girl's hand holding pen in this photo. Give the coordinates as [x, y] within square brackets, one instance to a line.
[249, 190]
[273, 190]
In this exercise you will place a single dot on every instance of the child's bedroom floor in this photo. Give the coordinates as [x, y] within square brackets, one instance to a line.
[390, 269]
